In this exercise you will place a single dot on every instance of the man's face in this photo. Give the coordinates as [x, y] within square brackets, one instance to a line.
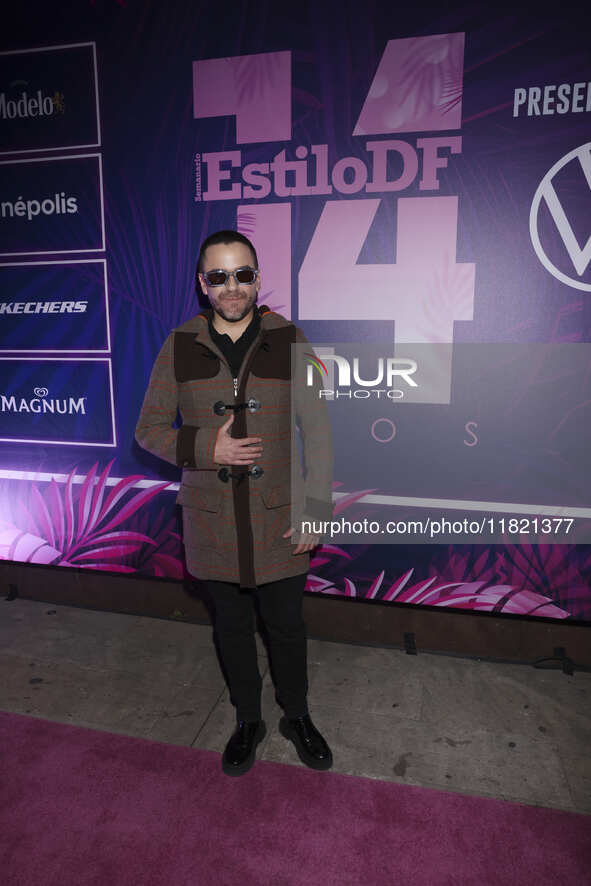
[232, 301]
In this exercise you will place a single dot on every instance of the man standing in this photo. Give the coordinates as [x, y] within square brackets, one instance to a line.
[227, 371]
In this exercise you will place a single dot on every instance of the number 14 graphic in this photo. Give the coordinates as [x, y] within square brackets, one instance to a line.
[417, 87]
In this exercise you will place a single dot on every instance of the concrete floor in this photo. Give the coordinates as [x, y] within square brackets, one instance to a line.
[475, 727]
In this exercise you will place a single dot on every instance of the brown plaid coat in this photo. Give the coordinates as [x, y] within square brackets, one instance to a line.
[233, 530]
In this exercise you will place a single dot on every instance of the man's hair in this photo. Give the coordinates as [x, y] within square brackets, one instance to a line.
[224, 237]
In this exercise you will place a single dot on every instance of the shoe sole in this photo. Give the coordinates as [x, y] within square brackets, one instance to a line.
[247, 764]
[287, 732]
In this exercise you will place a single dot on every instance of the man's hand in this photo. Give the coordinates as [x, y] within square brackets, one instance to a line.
[307, 541]
[235, 450]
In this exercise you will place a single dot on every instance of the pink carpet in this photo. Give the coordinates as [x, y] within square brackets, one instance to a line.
[79, 806]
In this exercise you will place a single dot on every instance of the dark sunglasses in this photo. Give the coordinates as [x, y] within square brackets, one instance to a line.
[241, 275]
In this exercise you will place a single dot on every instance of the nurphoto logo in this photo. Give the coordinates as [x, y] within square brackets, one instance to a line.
[387, 371]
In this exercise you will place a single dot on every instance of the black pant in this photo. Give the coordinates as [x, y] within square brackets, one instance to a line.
[280, 607]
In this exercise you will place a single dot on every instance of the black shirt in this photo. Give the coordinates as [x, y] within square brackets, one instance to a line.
[234, 351]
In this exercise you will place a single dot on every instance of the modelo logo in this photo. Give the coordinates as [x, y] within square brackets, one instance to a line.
[27, 106]
[40, 404]
[580, 257]
[43, 307]
[59, 204]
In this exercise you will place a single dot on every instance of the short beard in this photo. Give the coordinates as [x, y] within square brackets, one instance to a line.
[236, 319]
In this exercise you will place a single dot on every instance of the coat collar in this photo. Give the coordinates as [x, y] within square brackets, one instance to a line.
[250, 332]
[202, 333]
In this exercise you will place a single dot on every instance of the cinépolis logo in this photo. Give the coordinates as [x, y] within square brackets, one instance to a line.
[59, 204]
[40, 403]
[24, 106]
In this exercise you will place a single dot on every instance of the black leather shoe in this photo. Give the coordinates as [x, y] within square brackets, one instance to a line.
[310, 745]
[240, 751]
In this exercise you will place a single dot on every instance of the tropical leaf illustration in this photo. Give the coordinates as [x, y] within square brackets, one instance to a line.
[164, 558]
[518, 579]
[431, 78]
[247, 222]
[253, 73]
[449, 294]
[465, 595]
[63, 528]
[268, 299]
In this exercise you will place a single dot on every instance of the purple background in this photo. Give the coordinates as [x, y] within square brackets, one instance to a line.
[145, 56]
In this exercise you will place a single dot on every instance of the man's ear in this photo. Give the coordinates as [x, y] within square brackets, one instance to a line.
[202, 282]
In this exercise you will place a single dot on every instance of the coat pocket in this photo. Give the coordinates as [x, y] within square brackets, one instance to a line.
[204, 523]
[202, 499]
[277, 515]
[276, 496]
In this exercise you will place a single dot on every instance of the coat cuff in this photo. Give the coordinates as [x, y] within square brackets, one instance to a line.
[316, 511]
[195, 447]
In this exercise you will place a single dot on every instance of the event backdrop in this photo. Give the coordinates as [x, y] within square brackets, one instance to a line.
[408, 173]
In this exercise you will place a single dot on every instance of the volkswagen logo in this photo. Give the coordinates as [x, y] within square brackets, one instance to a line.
[576, 258]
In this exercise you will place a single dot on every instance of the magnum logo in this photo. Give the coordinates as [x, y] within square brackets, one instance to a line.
[40, 404]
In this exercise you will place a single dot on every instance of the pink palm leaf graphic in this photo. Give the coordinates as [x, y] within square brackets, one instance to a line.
[476, 588]
[54, 529]
[465, 595]
[164, 558]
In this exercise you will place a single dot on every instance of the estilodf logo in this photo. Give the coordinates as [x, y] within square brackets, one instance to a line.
[59, 204]
[575, 258]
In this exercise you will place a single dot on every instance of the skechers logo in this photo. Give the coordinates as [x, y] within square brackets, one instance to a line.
[43, 307]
